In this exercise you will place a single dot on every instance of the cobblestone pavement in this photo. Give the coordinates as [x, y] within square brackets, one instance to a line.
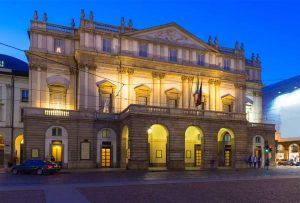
[247, 185]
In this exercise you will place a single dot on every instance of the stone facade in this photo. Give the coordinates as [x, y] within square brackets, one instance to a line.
[130, 95]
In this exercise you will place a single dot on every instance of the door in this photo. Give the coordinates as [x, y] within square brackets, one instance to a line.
[56, 151]
[258, 152]
[105, 157]
[227, 156]
[198, 155]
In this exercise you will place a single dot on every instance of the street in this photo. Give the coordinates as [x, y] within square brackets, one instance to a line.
[279, 184]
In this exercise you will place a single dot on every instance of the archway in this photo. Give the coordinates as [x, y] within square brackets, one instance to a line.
[56, 144]
[226, 148]
[157, 141]
[1, 151]
[193, 147]
[258, 146]
[294, 152]
[125, 151]
[19, 141]
[280, 152]
[107, 148]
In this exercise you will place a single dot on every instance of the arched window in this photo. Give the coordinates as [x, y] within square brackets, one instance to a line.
[56, 131]
[257, 139]
[226, 138]
[105, 133]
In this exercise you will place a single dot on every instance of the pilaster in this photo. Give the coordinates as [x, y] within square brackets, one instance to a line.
[184, 80]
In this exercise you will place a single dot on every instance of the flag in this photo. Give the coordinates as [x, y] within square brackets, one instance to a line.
[199, 95]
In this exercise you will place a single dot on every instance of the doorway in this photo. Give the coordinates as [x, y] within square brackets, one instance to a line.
[106, 155]
[56, 151]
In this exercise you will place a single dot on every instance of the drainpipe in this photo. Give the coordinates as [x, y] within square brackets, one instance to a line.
[12, 116]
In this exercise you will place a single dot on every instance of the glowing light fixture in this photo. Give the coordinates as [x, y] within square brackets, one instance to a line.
[149, 131]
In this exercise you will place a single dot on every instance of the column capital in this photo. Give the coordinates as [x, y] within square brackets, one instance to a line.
[257, 93]
[217, 82]
[92, 66]
[184, 78]
[190, 79]
[121, 69]
[239, 86]
[161, 75]
[130, 71]
[155, 74]
[212, 81]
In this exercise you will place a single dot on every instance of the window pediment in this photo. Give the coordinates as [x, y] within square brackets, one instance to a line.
[228, 99]
[142, 90]
[173, 93]
[58, 81]
[106, 87]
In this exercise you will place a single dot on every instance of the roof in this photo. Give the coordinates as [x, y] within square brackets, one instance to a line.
[284, 86]
[13, 65]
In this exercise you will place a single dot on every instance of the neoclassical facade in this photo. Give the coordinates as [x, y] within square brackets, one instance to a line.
[114, 96]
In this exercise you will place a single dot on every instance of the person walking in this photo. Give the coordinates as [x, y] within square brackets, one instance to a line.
[250, 161]
[259, 162]
[254, 161]
[267, 164]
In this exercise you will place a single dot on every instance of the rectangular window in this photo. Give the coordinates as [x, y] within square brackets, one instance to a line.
[200, 59]
[1, 64]
[106, 45]
[226, 64]
[24, 95]
[85, 150]
[143, 50]
[142, 100]
[58, 46]
[173, 55]
[106, 103]
[56, 132]
[172, 103]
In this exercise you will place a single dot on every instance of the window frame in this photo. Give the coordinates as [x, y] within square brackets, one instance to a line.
[58, 130]
[106, 48]
[59, 43]
[24, 99]
[89, 149]
[143, 49]
[173, 55]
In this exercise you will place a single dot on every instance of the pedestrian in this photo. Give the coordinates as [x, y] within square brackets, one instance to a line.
[254, 161]
[267, 164]
[52, 158]
[250, 161]
[258, 162]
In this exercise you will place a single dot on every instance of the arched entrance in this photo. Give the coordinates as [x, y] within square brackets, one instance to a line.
[226, 148]
[193, 147]
[280, 152]
[157, 142]
[56, 144]
[258, 146]
[1, 151]
[125, 151]
[107, 148]
[19, 141]
[294, 152]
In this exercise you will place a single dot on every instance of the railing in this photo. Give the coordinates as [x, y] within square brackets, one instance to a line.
[102, 26]
[262, 125]
[56, 112]
[249, 62]
[52, 27]
[133, 108]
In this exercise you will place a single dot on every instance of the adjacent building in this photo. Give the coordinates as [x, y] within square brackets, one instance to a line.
[281, 106]
[14, 96]
[115, 96]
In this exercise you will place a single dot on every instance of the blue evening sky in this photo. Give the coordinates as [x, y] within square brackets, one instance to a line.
[270, 28]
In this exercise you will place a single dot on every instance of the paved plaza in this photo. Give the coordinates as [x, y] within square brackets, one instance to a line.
[279, 184]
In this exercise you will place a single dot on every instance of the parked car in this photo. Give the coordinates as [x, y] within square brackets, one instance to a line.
[294, 163]
[284, 162]
[36, 166]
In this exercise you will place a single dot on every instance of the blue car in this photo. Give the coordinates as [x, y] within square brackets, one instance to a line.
[38, 167]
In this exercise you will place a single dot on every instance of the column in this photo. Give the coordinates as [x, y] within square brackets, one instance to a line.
[38, 87]
[130, 72]
[81, 90]
[211, 94]
[217, 94]
[190, 92]
[184, 80]
[257, 106]
[240, 97]
[91, 83]
[119, 92]
[44, 90]
[156, 89]
[162, 95]
[71, 91]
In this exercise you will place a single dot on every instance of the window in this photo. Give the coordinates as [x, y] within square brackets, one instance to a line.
[85, 150]
[106, 45]
[257, 140]
[56, 132]
[58, 46]
[57, 96]
[105, 133]
[173, 55]
[106, 103]
[200, 59]
[143, 48]
[1, 64]
[172, 103]
[226, 64]
[142, 100]
[24, 95]
[226, 138]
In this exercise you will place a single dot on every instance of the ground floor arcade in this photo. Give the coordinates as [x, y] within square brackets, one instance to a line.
[142, 141]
